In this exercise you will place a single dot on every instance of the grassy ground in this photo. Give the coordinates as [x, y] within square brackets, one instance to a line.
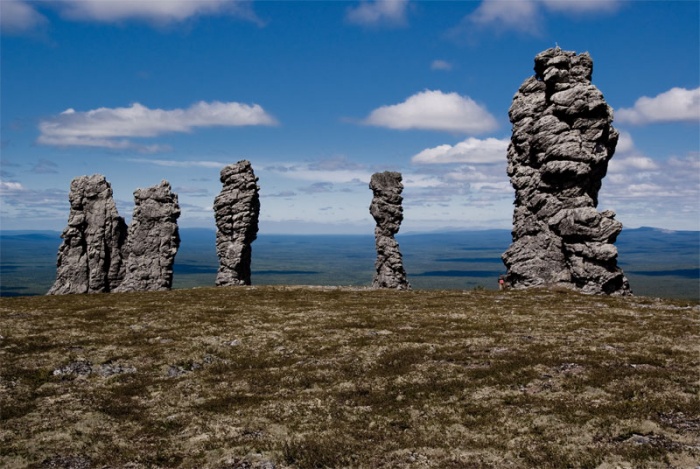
[275, 377]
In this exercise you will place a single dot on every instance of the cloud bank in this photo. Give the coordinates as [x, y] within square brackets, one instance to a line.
[676, 104]
[107, 127]
[640, 188]
[434, 110]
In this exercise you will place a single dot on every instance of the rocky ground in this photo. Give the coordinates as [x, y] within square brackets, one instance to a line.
[275, 377]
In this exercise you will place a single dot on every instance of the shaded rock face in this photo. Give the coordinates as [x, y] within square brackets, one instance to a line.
[388, 213]
[237, 209]
[153, 240]
[90, 256]
[562, 141]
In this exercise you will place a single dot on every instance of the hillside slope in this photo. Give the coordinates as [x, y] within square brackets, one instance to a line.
[275, 377]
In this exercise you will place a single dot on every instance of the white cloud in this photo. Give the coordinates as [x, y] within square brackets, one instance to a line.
[156, 11]
[471, 150]
[522, 15]
[624, 142]
[676, 104]
[18, 17]
[582, 6]
[527, 15]
[378, 12]
[434, 110]
[631, 163]
[422, 181]
[180, 164]
[10, 187]
[441, 65]
[104, 126]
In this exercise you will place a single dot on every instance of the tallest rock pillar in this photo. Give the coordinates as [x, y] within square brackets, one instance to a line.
[562, 141]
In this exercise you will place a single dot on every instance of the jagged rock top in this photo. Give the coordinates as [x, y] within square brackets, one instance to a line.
[557, 66]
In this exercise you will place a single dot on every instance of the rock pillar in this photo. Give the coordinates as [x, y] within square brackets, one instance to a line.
[562, 141]
[388, 213]
[153, 240]
[90, 256]
[236, 209]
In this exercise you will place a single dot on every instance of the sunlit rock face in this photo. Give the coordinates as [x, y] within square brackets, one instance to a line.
[153, 240]
[388, 213]
[561, 143]
[237, 209]
[90, 256]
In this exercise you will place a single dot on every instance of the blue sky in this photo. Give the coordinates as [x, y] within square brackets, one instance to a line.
[319, 95]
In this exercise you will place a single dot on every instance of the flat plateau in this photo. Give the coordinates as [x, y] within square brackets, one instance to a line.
[276, 377]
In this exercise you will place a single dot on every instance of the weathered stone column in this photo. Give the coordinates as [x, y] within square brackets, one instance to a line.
[90, 257]
[562, 141]
[388, 213]
[237, 209]
[153, 240]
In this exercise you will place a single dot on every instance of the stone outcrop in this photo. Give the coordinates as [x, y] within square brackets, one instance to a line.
[90, 256]
[237, 209]
[388, 213]
[562, 141]
[153, 240]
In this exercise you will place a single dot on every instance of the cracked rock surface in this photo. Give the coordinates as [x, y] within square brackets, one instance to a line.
[560, 147]
[237, 209]
[90, 256]
[388, 213]
[153, 240]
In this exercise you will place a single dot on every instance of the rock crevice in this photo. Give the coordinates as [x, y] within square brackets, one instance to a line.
[237, 209]
[387, 211]
[561, 144]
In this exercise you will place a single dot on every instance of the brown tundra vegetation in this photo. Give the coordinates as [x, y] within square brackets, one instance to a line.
[313, 377]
